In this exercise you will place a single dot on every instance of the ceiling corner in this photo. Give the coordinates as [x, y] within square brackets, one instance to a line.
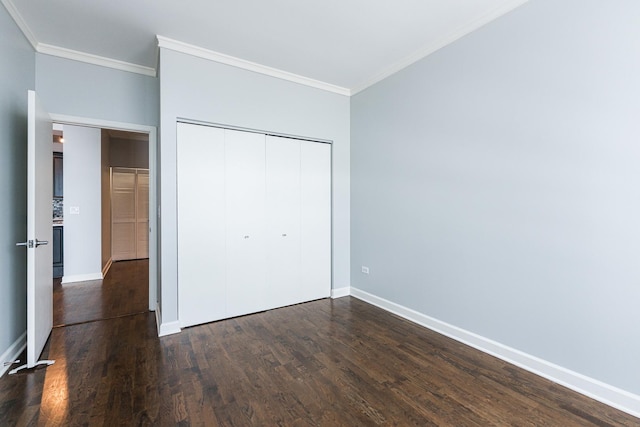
[21, 23]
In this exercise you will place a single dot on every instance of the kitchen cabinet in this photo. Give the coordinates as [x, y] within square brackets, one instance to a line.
[57, 175]
[58, 256]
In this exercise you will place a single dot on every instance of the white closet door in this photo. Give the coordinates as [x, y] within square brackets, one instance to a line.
[315, 167]
[245, 214]
[201, 224]
[283, 221]
[142, 214]
[123, 214]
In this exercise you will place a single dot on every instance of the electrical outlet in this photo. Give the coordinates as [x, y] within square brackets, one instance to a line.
[365, 270]
[74, 210]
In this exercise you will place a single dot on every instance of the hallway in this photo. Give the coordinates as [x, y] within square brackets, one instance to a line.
[125, 291]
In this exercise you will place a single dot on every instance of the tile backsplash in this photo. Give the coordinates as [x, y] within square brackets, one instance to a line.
[57, 209]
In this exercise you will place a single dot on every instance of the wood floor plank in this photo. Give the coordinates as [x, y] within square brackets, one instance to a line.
[323, 363]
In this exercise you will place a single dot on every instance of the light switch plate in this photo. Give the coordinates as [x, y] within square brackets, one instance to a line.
[74, 210]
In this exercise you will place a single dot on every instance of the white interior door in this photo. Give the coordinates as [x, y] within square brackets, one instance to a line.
[39, 231]
[201, 224]
[284, 286]
[245, 206]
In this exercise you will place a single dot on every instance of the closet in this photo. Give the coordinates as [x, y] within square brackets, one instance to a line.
[254, 222]
[129, 213]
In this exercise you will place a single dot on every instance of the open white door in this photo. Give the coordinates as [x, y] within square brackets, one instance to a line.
[39, 232]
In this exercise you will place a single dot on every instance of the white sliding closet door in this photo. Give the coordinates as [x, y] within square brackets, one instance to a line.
[315, 181]
[245, 217]
[283, 221]
[201, 224]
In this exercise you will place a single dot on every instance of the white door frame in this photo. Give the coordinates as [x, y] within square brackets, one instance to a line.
[153, 201]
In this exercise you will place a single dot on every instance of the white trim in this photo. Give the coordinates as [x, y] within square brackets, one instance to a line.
[81, 278]
[74, 55]
[153, 166]
[168, 328]
[439, 44]
[107, 267]
[12, 353]
[65, 119]
[178, 46]
[21, 23]
[89, 58]
[158, 319]
[605, 393]
[189, 49]
[340, 292]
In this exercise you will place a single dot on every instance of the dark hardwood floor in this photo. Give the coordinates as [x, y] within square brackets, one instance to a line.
[325, 363]
[124, 291]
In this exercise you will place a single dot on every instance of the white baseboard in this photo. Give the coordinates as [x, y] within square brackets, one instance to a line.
[340, 292]
[81, 278]
[106, 267]
[595, 389]
[12, 353]
[168, 328]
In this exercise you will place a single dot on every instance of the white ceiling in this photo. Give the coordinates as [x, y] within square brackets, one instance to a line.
[347, 43]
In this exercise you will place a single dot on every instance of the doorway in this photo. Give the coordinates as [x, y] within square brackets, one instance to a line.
[125, 287]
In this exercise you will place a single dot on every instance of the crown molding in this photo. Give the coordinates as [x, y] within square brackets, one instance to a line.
[75, 55]
[89, 58]
[477, 23]
[20, 22]
[178, 46]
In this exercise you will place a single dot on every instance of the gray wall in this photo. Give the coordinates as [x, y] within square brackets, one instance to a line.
[198, 89]
[82, 189]
[85, 90]
[496, 185]
[17, 75]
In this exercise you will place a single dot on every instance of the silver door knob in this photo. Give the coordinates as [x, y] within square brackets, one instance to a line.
[41, 242]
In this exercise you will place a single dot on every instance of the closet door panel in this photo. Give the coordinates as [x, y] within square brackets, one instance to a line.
[283, 221]
[245, 213]
[142, 214]
[123, 214]
[315, 162]
[201, 224]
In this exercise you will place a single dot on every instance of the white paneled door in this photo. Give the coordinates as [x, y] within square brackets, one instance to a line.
[254, 222]
[245, 222]
[283, 221]
[201, 224]
[315, 250]
[39, 232]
